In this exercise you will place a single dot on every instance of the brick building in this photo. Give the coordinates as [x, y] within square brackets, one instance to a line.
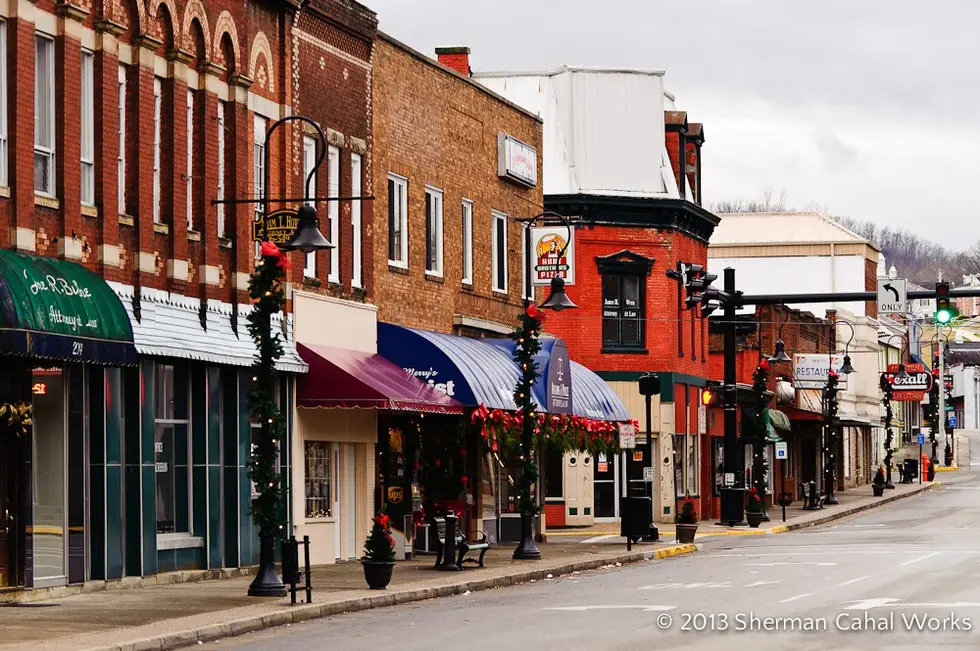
[626, 166]
[130, 339]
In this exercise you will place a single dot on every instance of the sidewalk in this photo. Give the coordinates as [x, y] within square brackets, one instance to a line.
[181, 614]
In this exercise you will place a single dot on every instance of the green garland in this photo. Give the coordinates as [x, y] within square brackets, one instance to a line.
[932, 409]
[528, 344]
[760, 464]
[15, 418]
[886, 401]
[830, 395]
[265, 289]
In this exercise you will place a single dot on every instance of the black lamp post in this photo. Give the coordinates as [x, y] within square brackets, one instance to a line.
[265, 288]
[886, 392]
[527, 346]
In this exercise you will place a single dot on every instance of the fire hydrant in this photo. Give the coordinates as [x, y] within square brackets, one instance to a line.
[926, 463]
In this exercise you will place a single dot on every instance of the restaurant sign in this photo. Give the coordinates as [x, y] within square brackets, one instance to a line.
[281, 226]
[810, 371]
[551, 257]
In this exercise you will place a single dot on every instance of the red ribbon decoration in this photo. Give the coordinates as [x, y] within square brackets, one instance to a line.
[270, 250]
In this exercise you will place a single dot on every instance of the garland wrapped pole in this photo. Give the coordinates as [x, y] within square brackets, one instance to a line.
[886, 402]
[760, 465]
[526, 336]
[265, 290]
[830, 435]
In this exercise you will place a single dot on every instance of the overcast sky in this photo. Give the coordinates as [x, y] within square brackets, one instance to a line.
[864, 108]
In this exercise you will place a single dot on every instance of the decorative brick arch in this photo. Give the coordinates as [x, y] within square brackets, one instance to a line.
[174, 20]
[261, 48]
[226, 25]
[117, 11]
[195, 9]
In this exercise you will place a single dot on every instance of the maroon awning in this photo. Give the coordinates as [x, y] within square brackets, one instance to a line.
[351, 379]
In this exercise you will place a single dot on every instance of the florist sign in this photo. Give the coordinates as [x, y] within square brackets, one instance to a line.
[551, 256]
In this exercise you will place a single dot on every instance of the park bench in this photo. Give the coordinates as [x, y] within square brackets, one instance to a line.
[463, 545]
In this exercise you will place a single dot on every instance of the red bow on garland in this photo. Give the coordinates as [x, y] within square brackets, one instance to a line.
[270, 250]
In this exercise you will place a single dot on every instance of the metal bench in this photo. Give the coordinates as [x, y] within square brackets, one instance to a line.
[462, 544]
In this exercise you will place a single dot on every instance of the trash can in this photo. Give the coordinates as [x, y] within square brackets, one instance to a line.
[910, 470]
[635, 517]
[732, 504]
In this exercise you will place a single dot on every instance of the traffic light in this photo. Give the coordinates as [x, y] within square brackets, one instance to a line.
[944, 310]
[697, 282]
[708, 397]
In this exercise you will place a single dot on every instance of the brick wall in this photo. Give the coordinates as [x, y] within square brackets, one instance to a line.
[435, 128]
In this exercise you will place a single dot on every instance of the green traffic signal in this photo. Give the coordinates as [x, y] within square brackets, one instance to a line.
[944, 316]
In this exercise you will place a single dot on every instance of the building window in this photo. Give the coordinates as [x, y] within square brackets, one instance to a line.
[4, 181]
[220, 191]
[172, 449]
[397, 221]
[355, 219]
[121, 187]
[499, 262]
[318, 479]
[622, 311]
[44, 115]
[433, 232]
[258, 163]
[190, 165]
[527, 283]
[467, 242]
[157, 127]
[333, 211]
[309, 190]
[87, 138]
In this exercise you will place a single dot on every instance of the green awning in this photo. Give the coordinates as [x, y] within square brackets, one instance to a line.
[58, 310]
[776, 419]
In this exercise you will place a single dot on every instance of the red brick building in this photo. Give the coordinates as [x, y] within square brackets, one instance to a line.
[136, 117]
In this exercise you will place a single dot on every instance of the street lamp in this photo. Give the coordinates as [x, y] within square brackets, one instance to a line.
[780, 354]
[527, 346]
[265, 289]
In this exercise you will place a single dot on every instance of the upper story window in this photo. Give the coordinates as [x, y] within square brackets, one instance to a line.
[121, 191]
[258, 161]
[397, 220]
[220, 190]
[190, 166]
[309, 160]
[467, 242]
[499, 252]
[355, 219]
[87, 140]
[333, 211]
[157, 144]
[433, 232]
[44, 115]
[624, 300]
[3, 105]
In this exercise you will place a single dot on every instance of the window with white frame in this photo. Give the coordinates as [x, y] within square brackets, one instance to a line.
[397, 220]
[87, 138]
[499, 252]
[4, 180]
[467, 242]
[221, 169]
[433, 232]
[355, 219]
[318, 498]
[121, 188]
[333, 211]
[309, 190]
[44, 115]
[258, 161]
[157, 127]
[190, 166]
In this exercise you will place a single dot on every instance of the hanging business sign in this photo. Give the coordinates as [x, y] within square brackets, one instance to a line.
[810, 371]
[281, 226]
[912, 388]
[558, 395]
[516, 160]
[552, 258]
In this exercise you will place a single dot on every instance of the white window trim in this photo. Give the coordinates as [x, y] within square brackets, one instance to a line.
[356, 187]
[40, 149]
[190, 164]
[333, 211]
[4, 142]
[495, 216]
[527, 292]
[309, 160]
[436, 194]
[222, 121]
[121, 181]
[87, 129]
[258, 164]
[157, 145]
[467, 218]
[402, 220]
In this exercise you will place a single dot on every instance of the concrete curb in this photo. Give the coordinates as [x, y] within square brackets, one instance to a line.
[837, 515]
[305, 612]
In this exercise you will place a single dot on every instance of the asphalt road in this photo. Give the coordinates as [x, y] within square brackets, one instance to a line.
[904, 576]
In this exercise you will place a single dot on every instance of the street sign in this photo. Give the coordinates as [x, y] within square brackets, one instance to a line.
[729, 479]
[810, 371]
[921, 440]
[952, 421]
[893, 295]
[782, 450]
[647, 473]
[627, 436]
[912, 388]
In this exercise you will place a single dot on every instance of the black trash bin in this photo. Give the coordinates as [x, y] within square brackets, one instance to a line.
[910, 470]
[636, 514]
[732, 505]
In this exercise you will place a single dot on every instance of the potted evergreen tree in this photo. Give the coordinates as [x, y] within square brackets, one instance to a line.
[753, 512]
[687, 521]
[379, 553]
[878, 483]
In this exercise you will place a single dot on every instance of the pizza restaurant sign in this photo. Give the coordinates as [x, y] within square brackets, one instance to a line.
[912, 388]
[281, 226]
[551, 257]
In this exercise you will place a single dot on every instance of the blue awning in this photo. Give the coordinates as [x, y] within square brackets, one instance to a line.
[469, 370]
[554, 386]
[594, 398]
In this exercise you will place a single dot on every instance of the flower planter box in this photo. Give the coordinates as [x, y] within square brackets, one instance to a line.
[377, 575]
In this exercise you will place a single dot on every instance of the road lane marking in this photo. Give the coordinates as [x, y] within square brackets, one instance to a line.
[920, 558]
[791, 563]
[849, 582]
[758, 583]
[685, 586]
[579, 609]
[881, 602]
[868, 604]
[799, 596]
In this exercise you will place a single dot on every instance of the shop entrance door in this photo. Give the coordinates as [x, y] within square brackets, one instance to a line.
[49, 485]
[350, 500]
[7, 505]
[606, 489]
[337, 539]
[579, 496]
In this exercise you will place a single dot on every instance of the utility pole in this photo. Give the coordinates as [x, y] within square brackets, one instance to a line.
[942, 401]
[732, 497]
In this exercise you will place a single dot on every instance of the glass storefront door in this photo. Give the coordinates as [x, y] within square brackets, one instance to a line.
[48, 470]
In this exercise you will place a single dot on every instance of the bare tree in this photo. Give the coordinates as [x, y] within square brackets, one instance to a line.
[768, 202]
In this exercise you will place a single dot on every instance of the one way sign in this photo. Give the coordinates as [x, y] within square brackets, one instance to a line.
[892, 295]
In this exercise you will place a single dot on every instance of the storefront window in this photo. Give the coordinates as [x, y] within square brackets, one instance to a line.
[318, 479]
[692, 465]
[171, 444]
[49, 474]
[718, 463]
[679, 465]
